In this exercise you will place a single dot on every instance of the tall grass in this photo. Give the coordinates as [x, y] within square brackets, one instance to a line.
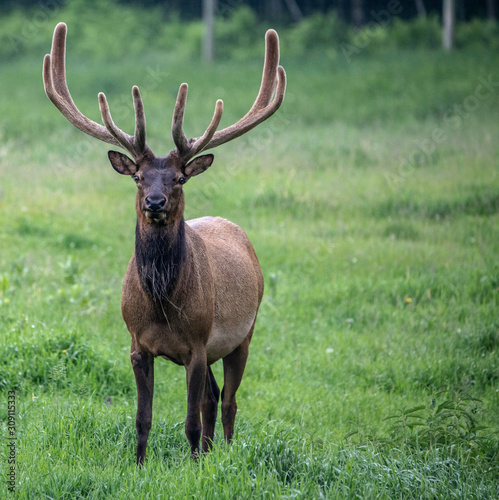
[373, 369]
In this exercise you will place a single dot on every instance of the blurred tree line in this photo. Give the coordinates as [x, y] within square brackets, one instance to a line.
[355, 12]
[101, 29]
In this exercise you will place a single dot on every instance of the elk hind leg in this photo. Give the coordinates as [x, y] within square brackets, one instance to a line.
[196, 372]
[209, 409]
[234, 365]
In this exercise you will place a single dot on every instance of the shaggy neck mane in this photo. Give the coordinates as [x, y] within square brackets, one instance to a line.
[159, 254]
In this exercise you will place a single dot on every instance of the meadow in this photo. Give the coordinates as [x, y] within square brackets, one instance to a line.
[372, 200]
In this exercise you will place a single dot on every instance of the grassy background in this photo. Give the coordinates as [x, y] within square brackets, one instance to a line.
[374, 366]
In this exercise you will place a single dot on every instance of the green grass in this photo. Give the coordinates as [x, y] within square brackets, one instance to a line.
[382, 282]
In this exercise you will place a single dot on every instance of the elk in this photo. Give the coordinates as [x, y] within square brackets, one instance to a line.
[192, 289]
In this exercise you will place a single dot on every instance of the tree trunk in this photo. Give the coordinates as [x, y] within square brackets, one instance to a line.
[273, 9]
[358, 12]
[294, 10]
[449, 23]
[209, 31]
[491, 10]
[420, 8]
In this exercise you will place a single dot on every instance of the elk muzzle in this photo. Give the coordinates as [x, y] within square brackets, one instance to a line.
[155, 206]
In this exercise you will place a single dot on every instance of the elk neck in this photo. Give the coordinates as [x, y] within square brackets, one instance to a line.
[160, 251]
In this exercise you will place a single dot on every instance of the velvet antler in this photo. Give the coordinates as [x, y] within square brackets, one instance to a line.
[267, 102]
[56, 88]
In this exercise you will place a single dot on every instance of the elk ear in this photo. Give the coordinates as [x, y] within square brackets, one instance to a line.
[121, 163]
[198, 165]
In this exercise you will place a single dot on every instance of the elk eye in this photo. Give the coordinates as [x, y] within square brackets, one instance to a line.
[136, 178]
[182, 180]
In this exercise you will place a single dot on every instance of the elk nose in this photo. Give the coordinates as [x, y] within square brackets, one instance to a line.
[155, 202]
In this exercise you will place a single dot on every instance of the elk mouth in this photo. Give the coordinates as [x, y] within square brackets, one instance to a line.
[155, 214]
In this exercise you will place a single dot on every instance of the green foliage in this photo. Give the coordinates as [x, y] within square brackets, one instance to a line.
[449, 421]
[237, 35]
[475, 201]
[319, 32]
[266, 462]
[60, 361]
[21, 34]
[178, 39]
[477, 34]
[96, 34]
[99, 29]
[94, 38]
[425, 33]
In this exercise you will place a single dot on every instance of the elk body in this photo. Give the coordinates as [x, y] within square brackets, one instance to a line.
[192, 289]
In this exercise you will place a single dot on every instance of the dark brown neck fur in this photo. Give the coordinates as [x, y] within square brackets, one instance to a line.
[160, 251]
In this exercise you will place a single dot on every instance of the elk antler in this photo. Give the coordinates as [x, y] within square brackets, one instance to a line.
[56, 88]
[267, 102]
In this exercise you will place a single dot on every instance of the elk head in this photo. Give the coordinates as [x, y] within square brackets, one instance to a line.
[160, 179]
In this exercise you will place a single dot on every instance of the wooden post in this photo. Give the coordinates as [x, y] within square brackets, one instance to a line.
[209, 31]
[421, 9]
[357, 12]
[449, 23]
[491, 10]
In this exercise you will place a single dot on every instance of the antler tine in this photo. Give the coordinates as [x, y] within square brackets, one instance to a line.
[56, 88]
[54, 78]
[187, 149]
[204, 140]
[254, 117]
[267, 102]
[140, 120]
[270, 64]
[135, 145]
[122, 138]
[179, 137]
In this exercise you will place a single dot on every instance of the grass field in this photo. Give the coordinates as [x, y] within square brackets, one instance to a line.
[372, 199]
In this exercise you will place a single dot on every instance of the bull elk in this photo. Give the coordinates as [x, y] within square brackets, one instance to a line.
[192, 289]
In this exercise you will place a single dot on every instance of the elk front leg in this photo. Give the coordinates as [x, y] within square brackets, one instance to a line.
[143, 369]
[196, 372]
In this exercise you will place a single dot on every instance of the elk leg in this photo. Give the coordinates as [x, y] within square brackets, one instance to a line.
[196, 372]
[234, 364]
[143, 369]
[209, 409]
